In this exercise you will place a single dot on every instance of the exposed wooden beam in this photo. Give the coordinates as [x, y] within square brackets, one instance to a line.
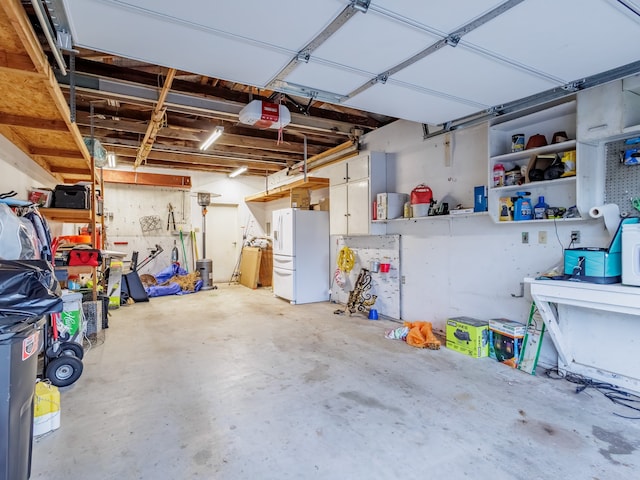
[132, 75]
[55, 152]
[13, 61]
[33, 122]
[140, 178]
[69, 171]
[192, 130]
[156, 120]
[206, 160]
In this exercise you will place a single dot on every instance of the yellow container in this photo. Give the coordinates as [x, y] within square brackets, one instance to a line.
[46, 408]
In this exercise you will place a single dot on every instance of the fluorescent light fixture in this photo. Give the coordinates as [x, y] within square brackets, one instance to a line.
[237, 172]
[212, 138]
[111, 160]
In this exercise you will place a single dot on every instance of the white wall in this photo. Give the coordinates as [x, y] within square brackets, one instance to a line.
[124, 206]
[463, 266]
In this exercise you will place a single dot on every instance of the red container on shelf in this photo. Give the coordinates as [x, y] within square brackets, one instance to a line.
[385, 267]
[421, 194]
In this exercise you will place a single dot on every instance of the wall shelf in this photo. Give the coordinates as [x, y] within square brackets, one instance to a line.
[69, 215]
[532, 185]
[527, 154]
[313, 183]
[546, 220]
[433, 217]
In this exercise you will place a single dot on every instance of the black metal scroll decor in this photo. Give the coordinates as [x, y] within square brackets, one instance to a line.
[359, 298]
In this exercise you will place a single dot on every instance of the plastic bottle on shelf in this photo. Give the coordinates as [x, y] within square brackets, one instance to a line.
[498, 175]
[522, 209]
[540, 210]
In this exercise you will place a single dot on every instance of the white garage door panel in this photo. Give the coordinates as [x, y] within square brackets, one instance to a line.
[403, 102]
[252, 19]
[364, 42]
[442, 16]
[567, 39]
[466, 74]
[138, 37]
[327, 78]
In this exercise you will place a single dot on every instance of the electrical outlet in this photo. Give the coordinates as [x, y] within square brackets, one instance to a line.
[525, 237]
[542, 236]
[402, 280]
[575, 236]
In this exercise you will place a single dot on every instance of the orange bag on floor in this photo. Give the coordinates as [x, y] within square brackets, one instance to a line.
[421, 335]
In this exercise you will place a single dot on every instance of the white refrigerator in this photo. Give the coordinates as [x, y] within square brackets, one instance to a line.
[301, 255]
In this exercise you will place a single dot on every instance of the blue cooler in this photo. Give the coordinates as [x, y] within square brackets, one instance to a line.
[597, 265]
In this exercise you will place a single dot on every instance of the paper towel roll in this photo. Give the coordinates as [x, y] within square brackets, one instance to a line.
[611, 215]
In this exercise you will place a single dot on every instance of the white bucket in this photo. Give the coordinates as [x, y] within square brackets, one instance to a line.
[420, 209]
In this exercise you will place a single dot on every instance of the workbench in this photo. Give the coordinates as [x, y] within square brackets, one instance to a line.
[595, 328]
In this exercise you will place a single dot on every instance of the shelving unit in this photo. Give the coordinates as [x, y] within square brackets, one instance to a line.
[545, 120]
[312, 183]
[66, 215]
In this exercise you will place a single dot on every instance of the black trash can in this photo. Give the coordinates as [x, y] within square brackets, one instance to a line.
[20, 344]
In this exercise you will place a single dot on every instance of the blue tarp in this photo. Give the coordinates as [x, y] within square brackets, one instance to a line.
[172, 288]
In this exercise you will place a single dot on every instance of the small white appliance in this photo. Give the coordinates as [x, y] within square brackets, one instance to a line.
[301, 255]
[631, 254]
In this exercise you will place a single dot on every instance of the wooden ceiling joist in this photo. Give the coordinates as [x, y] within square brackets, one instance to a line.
[152, 179]
[67, 170]
[33, 122]
[55, 152]
[157, 118]
[12, 61]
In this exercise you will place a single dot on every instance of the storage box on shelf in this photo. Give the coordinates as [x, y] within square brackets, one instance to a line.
[565, 191]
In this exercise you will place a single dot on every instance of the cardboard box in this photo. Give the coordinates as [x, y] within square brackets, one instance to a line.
[469, 336]
[391, 205]
[300, 198]
[508, 327]
[322, 205]
[505, 348]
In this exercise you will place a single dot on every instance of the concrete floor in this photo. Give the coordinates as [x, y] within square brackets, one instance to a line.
[236, 384]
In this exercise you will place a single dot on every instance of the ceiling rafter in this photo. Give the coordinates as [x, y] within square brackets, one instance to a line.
[33, 122]
[157, 118]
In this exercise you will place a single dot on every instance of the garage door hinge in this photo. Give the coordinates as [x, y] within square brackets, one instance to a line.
[382, 78]
[452, 40]
[361, 5]
[303, 56]
[573, 86]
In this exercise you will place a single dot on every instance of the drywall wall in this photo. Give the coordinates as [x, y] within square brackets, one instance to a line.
[464, 266]
[126, 205]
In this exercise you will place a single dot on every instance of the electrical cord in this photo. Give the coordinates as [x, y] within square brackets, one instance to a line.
[610, 391]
